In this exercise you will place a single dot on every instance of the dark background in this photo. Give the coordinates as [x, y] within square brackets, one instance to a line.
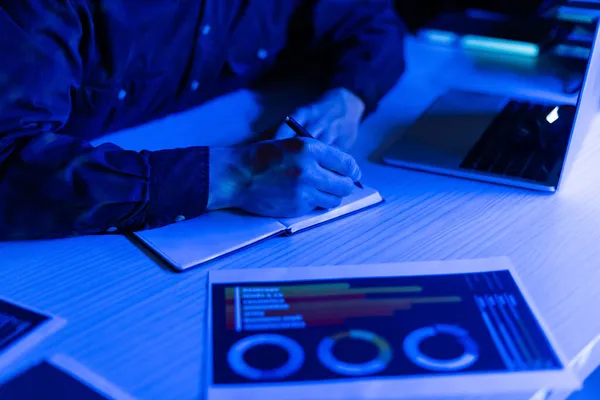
[416, 13]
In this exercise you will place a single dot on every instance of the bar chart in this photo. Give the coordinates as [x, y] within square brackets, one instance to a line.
[327, 304]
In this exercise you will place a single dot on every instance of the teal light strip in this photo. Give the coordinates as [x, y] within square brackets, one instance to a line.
[441, 37]
[504, 46]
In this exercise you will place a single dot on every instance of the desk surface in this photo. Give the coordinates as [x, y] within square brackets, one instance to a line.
[141, 326]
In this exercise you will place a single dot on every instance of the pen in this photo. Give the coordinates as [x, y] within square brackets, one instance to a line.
[300, 131]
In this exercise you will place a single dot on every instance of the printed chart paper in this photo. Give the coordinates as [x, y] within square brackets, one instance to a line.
[378, 331]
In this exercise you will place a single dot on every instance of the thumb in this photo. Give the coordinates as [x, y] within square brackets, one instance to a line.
[285, 132]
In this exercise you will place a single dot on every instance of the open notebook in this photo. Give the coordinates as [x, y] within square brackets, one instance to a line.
[188, 244]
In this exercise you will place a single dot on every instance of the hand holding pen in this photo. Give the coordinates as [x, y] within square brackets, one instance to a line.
[281, 178]
[300, 131]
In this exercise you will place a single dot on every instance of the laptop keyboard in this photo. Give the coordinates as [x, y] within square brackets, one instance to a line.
[514, 143]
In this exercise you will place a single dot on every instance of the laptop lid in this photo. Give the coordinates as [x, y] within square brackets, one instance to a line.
[587, 106]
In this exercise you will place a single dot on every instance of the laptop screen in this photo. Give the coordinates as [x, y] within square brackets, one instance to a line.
[587, 105]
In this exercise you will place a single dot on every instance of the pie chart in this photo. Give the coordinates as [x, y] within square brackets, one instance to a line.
[325, 353]
[295, 357]
[412, 348]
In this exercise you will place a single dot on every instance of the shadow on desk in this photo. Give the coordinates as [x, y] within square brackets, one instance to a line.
[150, 254]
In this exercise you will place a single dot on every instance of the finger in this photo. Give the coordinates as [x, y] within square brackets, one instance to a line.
[332, 133]
[346, 138]
[317, 126]
[285, 132]
[321, 120]
[332, 183]
[337, 161]
[324, 200]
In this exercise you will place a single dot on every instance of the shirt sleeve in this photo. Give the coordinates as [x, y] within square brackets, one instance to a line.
[364, 41]
[57, 185]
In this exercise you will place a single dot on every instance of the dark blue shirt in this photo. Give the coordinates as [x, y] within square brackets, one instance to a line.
[73, 70]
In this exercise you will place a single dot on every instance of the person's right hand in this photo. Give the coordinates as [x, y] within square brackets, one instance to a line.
[280, 178]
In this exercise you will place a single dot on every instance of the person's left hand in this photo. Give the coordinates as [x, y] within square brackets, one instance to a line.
[333, 119]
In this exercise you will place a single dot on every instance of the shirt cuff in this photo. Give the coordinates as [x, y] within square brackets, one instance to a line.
[178, 185]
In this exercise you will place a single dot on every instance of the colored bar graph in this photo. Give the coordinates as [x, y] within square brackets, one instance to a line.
[318, 290]
[298, 306]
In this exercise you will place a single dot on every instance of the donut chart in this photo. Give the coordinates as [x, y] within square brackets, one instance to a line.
[235, 357]
[413, 341]
[378, 364]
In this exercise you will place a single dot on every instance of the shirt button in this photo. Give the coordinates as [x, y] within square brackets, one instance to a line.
[122, 94]
[179, 218]
[112, 229]
[206, 29]
[194, 85]
[262, 54]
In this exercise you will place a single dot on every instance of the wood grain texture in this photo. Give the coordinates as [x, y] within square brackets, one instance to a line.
[142, 326]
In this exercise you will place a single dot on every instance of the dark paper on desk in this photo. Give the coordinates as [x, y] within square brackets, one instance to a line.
[21, 328]
[431, 329]
[45, 381]
[191, 243]
[60, 378]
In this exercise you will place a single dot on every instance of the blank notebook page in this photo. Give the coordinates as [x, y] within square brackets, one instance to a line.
[211, 235]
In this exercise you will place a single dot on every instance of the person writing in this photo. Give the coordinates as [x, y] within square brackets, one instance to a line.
[74, 70]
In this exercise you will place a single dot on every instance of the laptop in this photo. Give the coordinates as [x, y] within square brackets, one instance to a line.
[517, 141]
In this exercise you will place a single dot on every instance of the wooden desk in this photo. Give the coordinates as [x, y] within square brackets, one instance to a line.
[141, 326]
